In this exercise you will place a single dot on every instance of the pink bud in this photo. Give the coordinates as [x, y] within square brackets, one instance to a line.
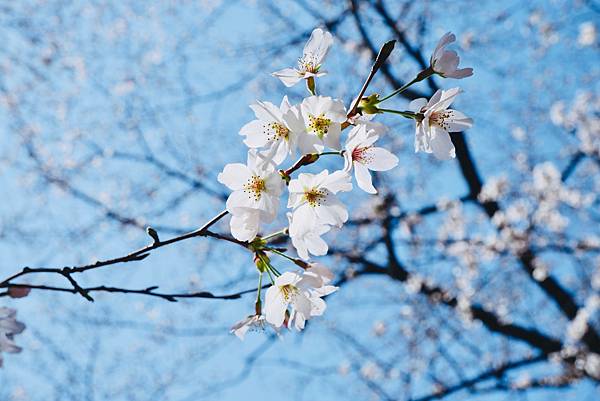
[18, 292]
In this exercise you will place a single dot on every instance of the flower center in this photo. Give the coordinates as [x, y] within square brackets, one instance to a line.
[315, 196]
[288, 291]
[362, 155]
[319, 125]
[276, 131]
[439, 119]
[254, 187]
[308, 64]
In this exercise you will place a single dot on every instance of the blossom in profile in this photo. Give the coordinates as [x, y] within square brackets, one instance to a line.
[309, 66]
[306, 237]
[250, 323]
[9, 327]
[445, 62]
[361, 155]
[435, 121]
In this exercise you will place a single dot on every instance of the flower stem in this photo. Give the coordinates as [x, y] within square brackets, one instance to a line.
[257, 305]
[311, 86]
[280, 254]
[305, 160]
[421, 76]
[337, 152]
[407, 114]
[275, 234]
[270, 276]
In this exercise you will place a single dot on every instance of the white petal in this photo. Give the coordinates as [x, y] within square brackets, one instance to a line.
[244, 227]
[288, 76]
[363, 178]
[241, 200]
[441, 144]
[318, 306]
[457, 121]
[332, 138]
[275, 306]
[318, 45]
[447, 63]
[266, 111]
[446, 99]
[381, 159]
[460, 73]
[337, 181]
[332, 211]
[442, 43]
[417, 105]
[315, 244]
[255, 132]
[285, 105]
[234, 176]
[302, 304]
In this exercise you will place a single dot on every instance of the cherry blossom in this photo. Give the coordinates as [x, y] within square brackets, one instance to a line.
[445, 62]
[312, 196]
[9, 327]
[255, 197]
[309, 66]
[363, 156]
[323, 118]
[276, 129]
[435, 121]
[250, 323]
[285, 293]
[306, 237]
[302, 293]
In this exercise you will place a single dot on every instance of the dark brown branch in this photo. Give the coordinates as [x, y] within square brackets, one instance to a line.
[437, 294]
[140, 254]
[150, 291]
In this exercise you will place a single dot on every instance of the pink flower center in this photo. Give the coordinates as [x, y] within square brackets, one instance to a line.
[362, 155]
[439, 118]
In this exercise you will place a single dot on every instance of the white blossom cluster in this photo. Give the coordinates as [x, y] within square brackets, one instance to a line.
[313, 128]
[582, 119]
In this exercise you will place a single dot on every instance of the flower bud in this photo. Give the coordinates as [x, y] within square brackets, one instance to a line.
[369, 104]
[261, 260]
[18, 292]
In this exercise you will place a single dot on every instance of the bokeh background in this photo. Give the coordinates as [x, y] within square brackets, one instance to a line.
[476, 278]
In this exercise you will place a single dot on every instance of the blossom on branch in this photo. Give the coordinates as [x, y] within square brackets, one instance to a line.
[251, 323]
[306, 237]
[301, 293]
[445, 62]
[312, 197]
[276, 130]
[363, 156]
[435, 121]
[323, 118]
[309, 66]
[255, 197]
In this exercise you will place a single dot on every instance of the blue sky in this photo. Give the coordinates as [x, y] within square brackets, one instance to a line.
[94, 81]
